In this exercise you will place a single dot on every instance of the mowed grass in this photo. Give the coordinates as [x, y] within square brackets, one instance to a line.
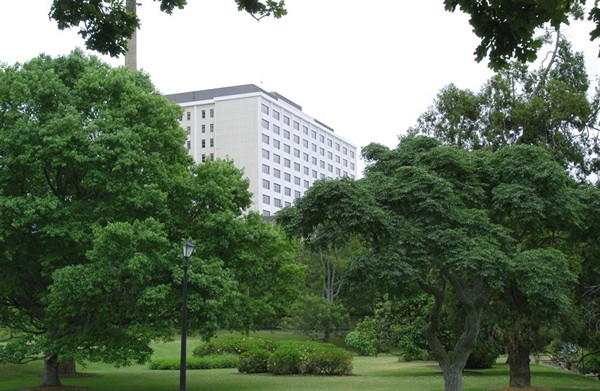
[370, 374]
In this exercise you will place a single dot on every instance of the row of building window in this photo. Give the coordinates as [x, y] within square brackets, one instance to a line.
[286, 134]
[266, 154]
[277, 201]
[211, 113]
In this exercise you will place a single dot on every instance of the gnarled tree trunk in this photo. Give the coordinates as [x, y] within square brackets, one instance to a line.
[50, 377]
[67, 367]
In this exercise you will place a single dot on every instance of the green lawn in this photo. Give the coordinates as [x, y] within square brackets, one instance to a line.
[370, 374]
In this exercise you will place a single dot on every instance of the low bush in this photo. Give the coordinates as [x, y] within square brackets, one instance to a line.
[365, 338]
[218, 361]
[310, 358]
[236, 344]
[482, 357]
[254, 361]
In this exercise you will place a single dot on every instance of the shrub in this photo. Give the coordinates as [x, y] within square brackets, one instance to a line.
[482, 357]
[208, 362]
[236, 344]
[285, 361]
[365, 338]
[329, 361]
[254, 361]
[314, 358]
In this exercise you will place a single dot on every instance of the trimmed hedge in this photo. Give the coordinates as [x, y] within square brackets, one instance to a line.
[254, 361]
[235, 344]
[310, 358]
[217, 361]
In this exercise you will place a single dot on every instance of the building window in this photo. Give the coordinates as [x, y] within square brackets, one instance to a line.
[287, 203]
[266, 169]
[305, 143]
[306, 170]
[203, 128]
[276, 173]
[189, 144]
[277, 187]
[266, 199]
[275, 114]
[212, 113]
[266, 212]
[277, 202]
[322, 163]
[337, 171]
[305, 130]
[329, 155]
[287, 162]
[351, 166]
[313, 147]
[345, 150]
[188, 129]
[352, 154]
[276, 143]
[266, 184]
[265, 154]
[212, 142]
[337, 159]
[286, 148]
[345, 163]
[265, 124]
[189, 115]
[286, 120]
[297, 139]
[212, 156]
[296, 194]
[264, 108]
[306, 184]
[313, 134]
[275, 129]
[314, 174]
[314, 161]
[305, 156]
[276, 158]
[203, 158]
[286, 134]
[329, 168]
[287, 191]
[203, 113]
[203, 143]
[322, 151]
[296, 166]
[287, 177]
[212, 127]
[337, 146]
[329, 142]
[297, 180]
[265, 139]
[321, 138]
[322, 176]
[296, 125]
[296, 152]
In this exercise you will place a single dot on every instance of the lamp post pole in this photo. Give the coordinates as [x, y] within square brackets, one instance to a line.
[188, 248]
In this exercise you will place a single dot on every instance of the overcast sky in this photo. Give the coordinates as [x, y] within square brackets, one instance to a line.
[365, 68]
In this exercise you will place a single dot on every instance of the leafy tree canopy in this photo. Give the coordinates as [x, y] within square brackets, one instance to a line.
[107, 25]
[507, 28]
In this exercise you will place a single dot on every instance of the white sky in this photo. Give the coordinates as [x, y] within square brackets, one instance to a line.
[365, 68]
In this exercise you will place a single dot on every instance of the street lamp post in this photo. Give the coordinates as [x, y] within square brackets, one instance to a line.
[188, 249]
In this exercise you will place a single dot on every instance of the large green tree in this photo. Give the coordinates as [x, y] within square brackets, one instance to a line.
[97, 193]
[548, 106]
[107, 25]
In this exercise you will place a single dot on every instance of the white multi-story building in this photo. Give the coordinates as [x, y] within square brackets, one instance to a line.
[282, 149]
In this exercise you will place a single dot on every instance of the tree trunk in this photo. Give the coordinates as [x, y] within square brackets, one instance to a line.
[452, 378]
[520, 373]
[67, 367]
[326, 335]
[50, 376]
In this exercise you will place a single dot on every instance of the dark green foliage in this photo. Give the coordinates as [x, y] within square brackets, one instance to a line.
[254, 361]
[107, 25]
[482, 357]
[235, 344]
[217, 361]
[507, 28]
[315, 316]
